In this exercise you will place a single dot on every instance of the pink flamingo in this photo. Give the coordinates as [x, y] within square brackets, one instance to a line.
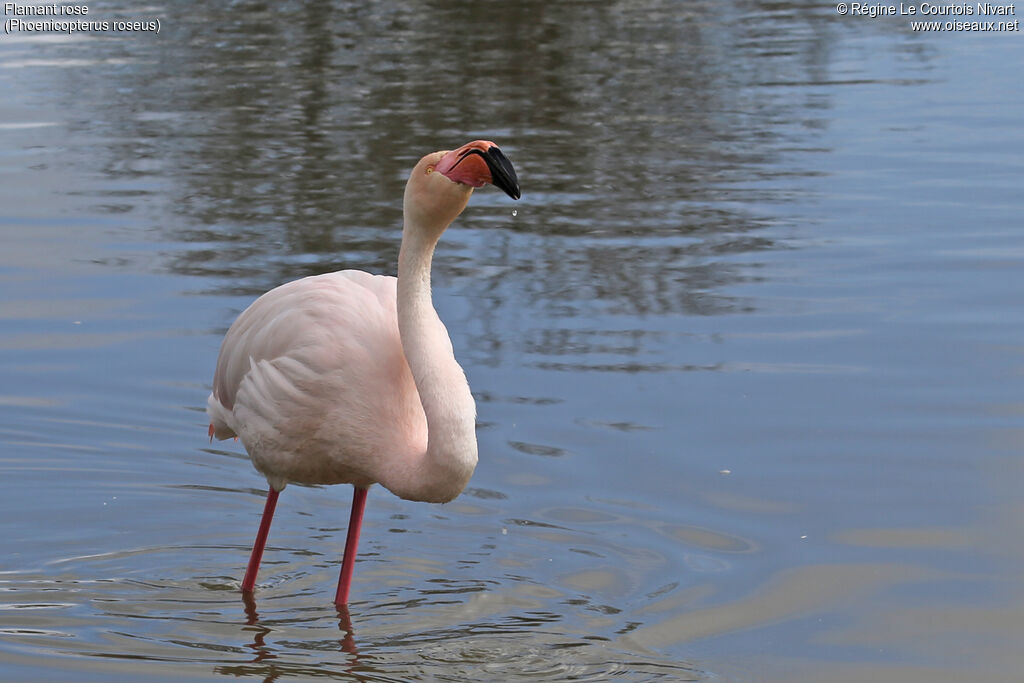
[350, 378]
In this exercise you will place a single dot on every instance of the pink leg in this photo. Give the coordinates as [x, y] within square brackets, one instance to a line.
[355, 522]
[261, 542]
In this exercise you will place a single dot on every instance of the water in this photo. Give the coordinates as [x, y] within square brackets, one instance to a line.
[745, 354]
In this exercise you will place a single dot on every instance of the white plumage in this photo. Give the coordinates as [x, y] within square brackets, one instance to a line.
[350, 377]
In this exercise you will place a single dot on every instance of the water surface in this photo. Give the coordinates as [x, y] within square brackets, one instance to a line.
[745, 355]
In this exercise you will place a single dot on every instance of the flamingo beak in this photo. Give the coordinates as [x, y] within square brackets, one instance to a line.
[477, 163]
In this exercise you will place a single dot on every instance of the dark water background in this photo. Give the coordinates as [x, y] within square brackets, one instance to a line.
[747, 355]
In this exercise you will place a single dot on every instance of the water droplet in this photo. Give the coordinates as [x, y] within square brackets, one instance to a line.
[514, 212]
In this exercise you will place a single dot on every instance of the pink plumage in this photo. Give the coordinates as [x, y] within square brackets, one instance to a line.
[307, 376]
[351, 378]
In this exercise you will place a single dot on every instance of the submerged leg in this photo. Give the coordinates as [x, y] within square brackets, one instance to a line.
[261, 541]
[348, 562]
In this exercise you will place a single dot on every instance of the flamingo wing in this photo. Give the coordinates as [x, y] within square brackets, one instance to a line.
[313, 379]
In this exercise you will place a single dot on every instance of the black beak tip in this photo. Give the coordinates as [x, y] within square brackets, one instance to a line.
[503, 175]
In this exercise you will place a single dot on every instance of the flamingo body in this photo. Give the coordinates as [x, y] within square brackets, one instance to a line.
[313, 379]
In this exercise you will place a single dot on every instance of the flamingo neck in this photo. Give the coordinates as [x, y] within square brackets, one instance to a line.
[443, 470]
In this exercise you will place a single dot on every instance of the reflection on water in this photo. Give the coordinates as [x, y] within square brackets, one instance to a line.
[457, 629]
[740, 353]
[287, 158]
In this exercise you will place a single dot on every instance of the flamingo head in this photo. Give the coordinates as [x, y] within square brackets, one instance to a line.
[477, 163]
[441, 183]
